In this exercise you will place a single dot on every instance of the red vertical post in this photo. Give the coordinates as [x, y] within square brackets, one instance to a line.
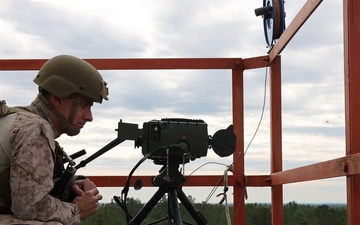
[352, 101]
[238, 123]
[276, 139]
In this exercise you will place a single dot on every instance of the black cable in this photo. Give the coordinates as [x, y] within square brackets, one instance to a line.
[262, 112]
[246, 149]
[257, 128]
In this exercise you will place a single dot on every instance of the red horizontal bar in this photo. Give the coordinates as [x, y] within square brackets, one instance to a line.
[118, 181]
[134, 64]
[167, 63]
[255, 62]
[140, 64]
[348, 165]
[21, 64]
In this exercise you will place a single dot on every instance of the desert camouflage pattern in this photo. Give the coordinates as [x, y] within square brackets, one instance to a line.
[31, 156]
[11, 220]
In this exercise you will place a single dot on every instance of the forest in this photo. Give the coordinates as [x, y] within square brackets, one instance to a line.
[256, 213]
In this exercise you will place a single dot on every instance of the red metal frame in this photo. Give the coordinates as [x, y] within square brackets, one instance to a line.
[352, 96]
[344, 166]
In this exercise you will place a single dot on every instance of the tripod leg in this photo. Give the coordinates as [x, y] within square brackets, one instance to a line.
[196, 215]
[148, 207]
[174, 208]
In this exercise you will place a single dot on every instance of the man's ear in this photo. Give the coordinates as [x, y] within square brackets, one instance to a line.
[55, 101]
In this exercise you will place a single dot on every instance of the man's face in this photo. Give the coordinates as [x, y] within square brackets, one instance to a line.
[82, 113]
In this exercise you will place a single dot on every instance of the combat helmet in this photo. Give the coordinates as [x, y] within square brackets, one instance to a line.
[64, 75]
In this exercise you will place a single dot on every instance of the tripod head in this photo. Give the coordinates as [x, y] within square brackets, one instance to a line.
[169, 173]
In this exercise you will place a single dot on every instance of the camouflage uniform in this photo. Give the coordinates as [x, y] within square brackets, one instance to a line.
[27, 154]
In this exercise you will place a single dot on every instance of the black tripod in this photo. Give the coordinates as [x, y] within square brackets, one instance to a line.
[170, 181]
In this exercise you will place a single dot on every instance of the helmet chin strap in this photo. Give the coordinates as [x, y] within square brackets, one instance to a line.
[70, 129]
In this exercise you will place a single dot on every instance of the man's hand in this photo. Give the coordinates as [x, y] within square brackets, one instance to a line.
[81, 186]
[88, 201]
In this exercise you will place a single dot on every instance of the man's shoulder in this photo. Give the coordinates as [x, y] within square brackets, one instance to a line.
[28, 126]
[29, 121]
[28, 116]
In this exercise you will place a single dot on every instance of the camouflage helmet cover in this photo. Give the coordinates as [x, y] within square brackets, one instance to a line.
[64, 75]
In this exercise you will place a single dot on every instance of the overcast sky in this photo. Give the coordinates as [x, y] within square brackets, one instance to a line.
[312, 70]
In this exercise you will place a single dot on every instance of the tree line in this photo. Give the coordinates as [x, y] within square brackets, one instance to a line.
[255, 213]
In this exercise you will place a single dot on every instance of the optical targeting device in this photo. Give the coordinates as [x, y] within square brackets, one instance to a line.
[168, 142]
[171, 142]
[187, 138]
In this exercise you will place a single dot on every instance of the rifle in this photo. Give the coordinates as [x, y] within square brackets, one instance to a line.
[61, 182]
[67, 176]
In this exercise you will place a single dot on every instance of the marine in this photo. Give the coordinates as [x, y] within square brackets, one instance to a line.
[31, 158]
